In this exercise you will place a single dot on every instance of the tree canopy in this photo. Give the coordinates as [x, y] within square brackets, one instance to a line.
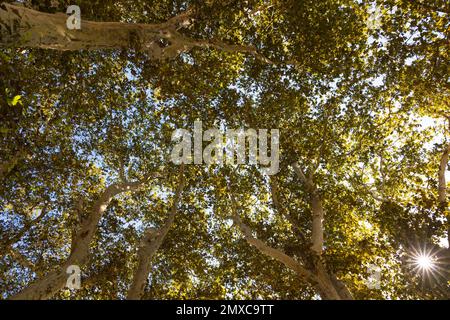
[360, 93]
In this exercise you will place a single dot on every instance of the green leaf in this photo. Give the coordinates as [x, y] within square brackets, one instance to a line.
[14, 101]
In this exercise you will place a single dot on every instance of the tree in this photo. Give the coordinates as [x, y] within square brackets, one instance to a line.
[358, 89]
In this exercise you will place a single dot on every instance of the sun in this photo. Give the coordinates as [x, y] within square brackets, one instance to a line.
[424, 262]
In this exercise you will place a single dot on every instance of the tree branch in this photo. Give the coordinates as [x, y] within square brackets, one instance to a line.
[47, 286]
[328, 286]
[283, 211]
[23, 27]
[24, 261]
[273, 253]
[442, 187]
[4, 247]
[316, 208]
[150, 243]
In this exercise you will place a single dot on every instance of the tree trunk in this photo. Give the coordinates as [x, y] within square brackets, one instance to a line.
[316, 209]
[329, 287]
[442, 188]
[326, 283]
[47, 286]
[150, 243]
[326, 288]
[23, 27]
[317, 222]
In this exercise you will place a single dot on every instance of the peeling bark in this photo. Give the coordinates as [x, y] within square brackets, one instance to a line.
[316, 208]
[317, 222]
[442, 187]
[47, 286]
[442, 191]
[23, 27]
[328, 285]
[150, 243]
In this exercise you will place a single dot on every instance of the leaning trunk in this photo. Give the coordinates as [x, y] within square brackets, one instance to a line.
[150, 243]
[328, 286]
[29, 28]
[50, 284]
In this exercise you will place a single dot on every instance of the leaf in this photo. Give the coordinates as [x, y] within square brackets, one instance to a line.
[14, 101]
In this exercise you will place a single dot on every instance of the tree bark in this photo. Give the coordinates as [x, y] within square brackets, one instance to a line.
[273, 253]
[150, 243]
[327, 284]
[23, 27]
[341, 288]
[442, 191]
[316, 208]
[47, 286]
[442, 188]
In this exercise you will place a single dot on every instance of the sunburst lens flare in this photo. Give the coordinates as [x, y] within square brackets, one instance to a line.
[424, 262]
